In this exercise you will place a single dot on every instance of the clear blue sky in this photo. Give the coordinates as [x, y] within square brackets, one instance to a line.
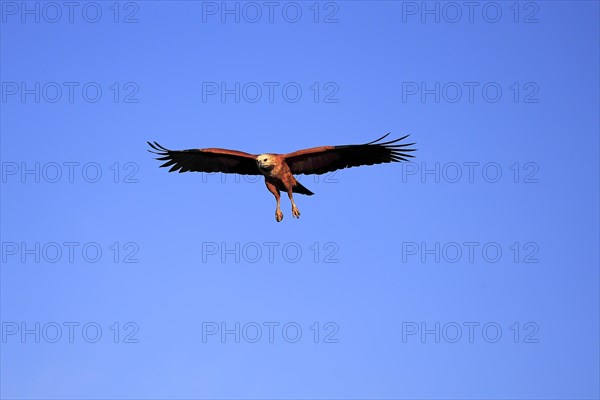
[472, 273]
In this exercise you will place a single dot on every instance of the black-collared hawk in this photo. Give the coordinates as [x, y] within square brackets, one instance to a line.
[279, 169]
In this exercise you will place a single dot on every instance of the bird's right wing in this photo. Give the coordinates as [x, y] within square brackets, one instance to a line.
[207, 160]
[319, 160]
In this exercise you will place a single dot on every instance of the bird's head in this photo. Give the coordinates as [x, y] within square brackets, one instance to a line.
[265, 162]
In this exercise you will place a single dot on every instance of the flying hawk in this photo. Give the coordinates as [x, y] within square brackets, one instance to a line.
[279, 169]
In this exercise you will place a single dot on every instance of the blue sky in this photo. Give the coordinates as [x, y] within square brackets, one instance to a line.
[470, 273]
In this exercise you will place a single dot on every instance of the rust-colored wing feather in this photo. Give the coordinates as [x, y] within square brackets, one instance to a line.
[319, 160]
[206, 160]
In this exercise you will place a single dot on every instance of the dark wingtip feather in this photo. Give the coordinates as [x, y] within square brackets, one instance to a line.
[378, 142]
[157, 148]
[394, 141]
[381, 138]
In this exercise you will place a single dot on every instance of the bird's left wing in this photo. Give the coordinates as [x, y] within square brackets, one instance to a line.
[207, 160]
[319, 160]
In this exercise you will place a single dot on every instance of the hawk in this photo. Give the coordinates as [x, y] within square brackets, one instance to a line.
[279, 169]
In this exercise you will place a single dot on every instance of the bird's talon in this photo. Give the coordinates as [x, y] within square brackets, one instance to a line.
[278, 215]
[295, 212]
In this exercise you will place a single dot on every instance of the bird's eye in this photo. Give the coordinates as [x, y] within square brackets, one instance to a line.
[265, 159]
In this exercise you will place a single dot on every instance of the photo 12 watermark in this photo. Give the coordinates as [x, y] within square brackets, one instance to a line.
[471, 252]
[271, 12]
[70, 92]
[69, 332]
[470, 332]
[69, 12]
[218, 177]
[274, 252]
[472, 172]
[57, 172]
[270, 332]
[470, 92]
[288, 92]
[53, 252]
[470, 12]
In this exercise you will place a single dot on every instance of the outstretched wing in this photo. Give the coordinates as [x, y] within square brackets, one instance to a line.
[319, 160]
[206, 160]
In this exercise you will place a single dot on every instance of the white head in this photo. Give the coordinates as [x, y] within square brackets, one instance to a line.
[265, 162]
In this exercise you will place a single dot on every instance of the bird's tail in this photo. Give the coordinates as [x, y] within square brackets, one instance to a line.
[298, 188]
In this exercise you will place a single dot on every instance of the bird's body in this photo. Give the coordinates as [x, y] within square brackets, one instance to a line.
[278, 173]
[279, 169]
[279, 178]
